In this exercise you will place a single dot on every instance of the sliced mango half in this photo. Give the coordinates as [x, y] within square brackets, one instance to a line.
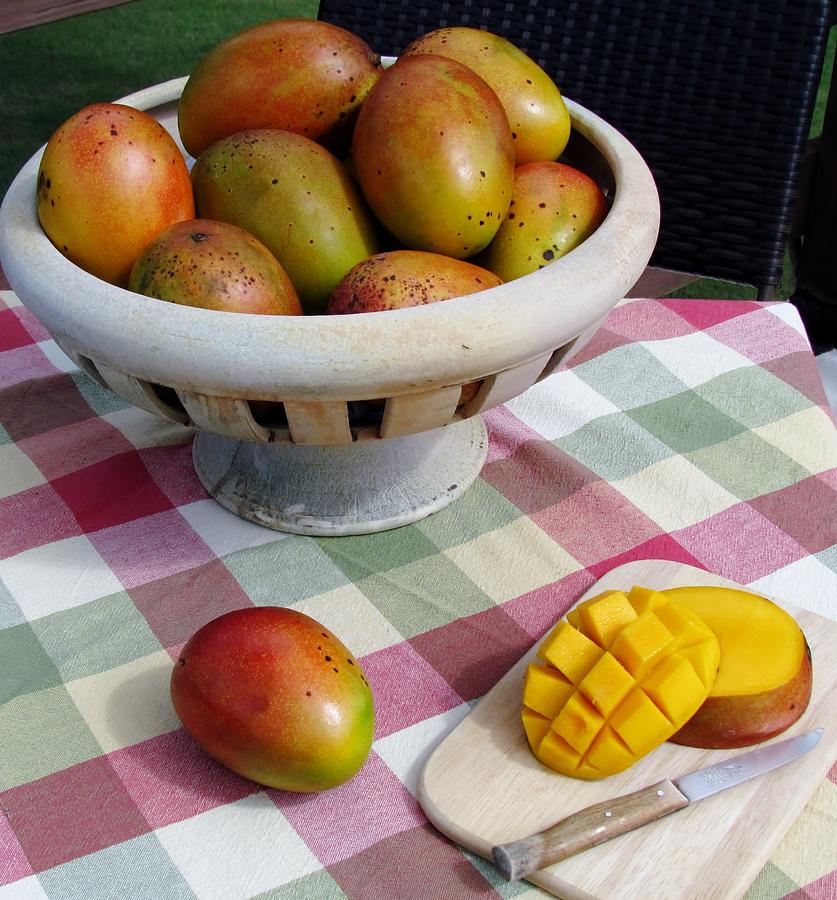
[620, 675]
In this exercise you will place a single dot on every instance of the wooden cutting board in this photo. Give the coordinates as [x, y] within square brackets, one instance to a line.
[482, 785]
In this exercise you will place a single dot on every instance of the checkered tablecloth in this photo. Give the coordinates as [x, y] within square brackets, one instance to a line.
[696, 431]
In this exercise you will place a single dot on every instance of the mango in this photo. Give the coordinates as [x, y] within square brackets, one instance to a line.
[434, 156]
[293, 196]
[614, 680]
[111, 177]
[402, 278]
[765, 675]
[554, 208]
[214, 265]
[538, 117]
[299, 75]
[276, 697]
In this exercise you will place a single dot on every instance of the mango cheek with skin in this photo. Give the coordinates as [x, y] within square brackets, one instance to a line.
[765, 676]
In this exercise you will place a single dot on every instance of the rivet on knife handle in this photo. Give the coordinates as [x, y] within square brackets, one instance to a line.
[587, 828]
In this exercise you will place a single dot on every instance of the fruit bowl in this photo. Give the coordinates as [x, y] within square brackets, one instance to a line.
[348, 424]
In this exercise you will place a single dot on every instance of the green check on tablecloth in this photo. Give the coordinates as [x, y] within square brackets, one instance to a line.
[695, 431]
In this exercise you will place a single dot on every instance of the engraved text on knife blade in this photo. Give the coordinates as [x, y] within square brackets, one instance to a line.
[708, 781]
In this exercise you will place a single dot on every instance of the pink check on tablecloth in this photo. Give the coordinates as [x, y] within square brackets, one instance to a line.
[696, 431]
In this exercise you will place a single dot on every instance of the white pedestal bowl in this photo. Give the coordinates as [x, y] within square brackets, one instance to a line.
[333, 425]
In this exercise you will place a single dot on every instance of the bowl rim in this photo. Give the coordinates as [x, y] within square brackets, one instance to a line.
[337, 357]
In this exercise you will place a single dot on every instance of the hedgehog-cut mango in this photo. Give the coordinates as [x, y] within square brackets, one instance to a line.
[620, 675]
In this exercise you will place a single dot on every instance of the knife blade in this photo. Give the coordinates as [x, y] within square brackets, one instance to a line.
[599, 823]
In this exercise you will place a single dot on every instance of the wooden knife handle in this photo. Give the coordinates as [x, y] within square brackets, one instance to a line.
[587, 828]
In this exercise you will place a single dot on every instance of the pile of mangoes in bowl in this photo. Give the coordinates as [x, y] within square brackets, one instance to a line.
[324, 182]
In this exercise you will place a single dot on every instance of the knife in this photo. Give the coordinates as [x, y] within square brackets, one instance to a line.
[603, 821]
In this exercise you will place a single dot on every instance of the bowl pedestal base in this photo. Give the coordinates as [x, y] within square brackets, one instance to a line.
[360, 488]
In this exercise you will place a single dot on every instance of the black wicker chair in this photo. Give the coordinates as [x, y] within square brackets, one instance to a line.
[717, 96]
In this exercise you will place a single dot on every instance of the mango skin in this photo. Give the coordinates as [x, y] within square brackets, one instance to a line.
[724, 723]
[402, 278]
[434, 156]
[300, 75]
[110, 178]
[554, 208]
[538, 117]
[276, 697]
[214, 265]
[296, 198]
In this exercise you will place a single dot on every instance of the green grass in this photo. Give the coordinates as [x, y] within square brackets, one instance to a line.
[50, 71]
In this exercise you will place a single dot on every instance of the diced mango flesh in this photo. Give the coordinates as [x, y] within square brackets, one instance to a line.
[641, 643]
[609, 753]
[546, 690]
[643, 599]
[574, 618]
[536, 727]
[672, 686]
[640, 722]
[578, 722]
[570, 651]
[704, 662]
[556, 753]
[604, 620]
[683, 623]
[616, 679]
[606, 684]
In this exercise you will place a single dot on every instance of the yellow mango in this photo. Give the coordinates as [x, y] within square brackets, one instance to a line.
[574, 618]
[545, 690]
[672, 685]
[608, 753]
[643, 599]
[536, 726]
[578, 722]
[687, 627]
[769, 646]
[704, 662]
[614, 680]
[570, 651]
[606, 684]
[605, 619]
[640, 723]
[556, 753]
[640, 643]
